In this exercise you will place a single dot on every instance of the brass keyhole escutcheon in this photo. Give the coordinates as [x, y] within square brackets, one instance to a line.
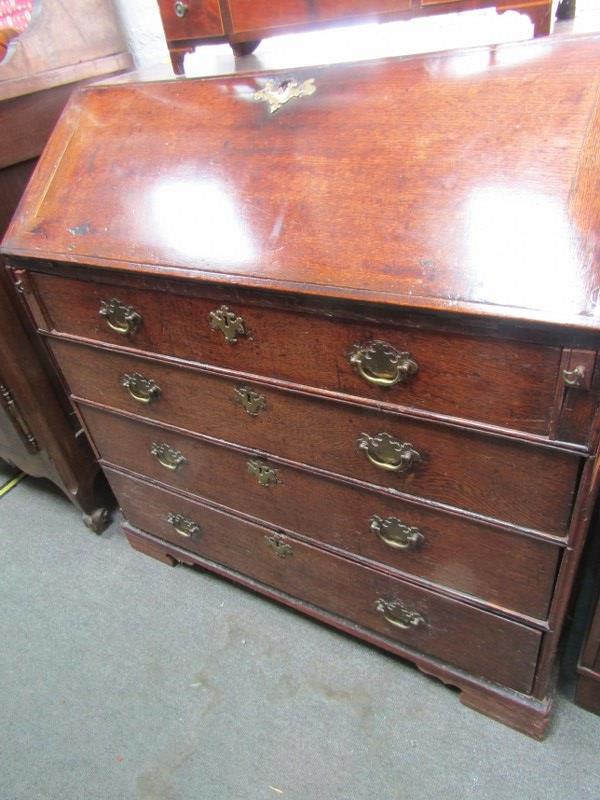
[380, 364]
[276, 94]
[279, 546]
[252, 402]
[228, 322]
[264, 474]
[119, 317]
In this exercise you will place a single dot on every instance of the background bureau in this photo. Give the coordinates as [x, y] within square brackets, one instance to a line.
[319, 350]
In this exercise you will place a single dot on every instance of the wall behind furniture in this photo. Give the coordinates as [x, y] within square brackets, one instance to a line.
[143, 31]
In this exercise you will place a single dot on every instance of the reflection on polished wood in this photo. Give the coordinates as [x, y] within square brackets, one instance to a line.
[454, 184]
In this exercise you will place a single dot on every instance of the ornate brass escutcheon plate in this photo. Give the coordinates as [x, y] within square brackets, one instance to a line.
[144, 390]
[277, 94]
[252, 402]
[279, 546]
[396, 534]
[229, 323]
[380, 364]
[387, 453]
[119, 317]
[265, 475]
[168, 456]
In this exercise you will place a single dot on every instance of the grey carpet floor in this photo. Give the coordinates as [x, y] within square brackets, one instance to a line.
[123, 678]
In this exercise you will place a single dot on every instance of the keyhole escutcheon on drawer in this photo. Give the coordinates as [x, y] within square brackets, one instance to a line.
[226, 321]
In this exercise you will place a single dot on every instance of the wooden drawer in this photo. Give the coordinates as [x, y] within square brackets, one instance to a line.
[508, 384]
[263, 15]
[519, 483]
[200, 18]
[474, 640]
[461, 554]
[506, 569]
[340, 9]
[260, 15]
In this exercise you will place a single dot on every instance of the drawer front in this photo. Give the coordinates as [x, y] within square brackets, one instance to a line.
[191, 19]
[474, 640]
[338, 9]
[522, 484]
[505, 569]
[260, 15]
[508, 384]
[477, 641]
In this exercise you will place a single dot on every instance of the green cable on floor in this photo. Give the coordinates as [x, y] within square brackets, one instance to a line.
[10, 484]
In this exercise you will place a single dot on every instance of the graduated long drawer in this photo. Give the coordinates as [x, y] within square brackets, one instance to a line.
[508, 570]
[520, 483]
[486, 379]
[482, 643]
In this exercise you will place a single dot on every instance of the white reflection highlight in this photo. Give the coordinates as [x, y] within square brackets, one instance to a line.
[199, 219]
[523, 251]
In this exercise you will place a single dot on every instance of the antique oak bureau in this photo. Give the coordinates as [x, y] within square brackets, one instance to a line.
[333, 335]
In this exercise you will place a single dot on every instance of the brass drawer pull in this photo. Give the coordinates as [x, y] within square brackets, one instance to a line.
[279, 546]
[266, 475]
[252, 402]
[381, 364]
[395, 613]
[167, 456]
[181, 9]
[119, 317]
[226, 321]
[144, 390]
[183, 526]
[574, 377]
[396, 534]
[388, 453]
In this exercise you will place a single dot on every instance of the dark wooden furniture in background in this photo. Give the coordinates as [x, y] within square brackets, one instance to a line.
[66, 45]
[243, 23]
[344, 351]
[587, 693]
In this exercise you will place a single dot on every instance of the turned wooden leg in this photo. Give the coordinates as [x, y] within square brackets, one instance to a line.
[177, 58]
